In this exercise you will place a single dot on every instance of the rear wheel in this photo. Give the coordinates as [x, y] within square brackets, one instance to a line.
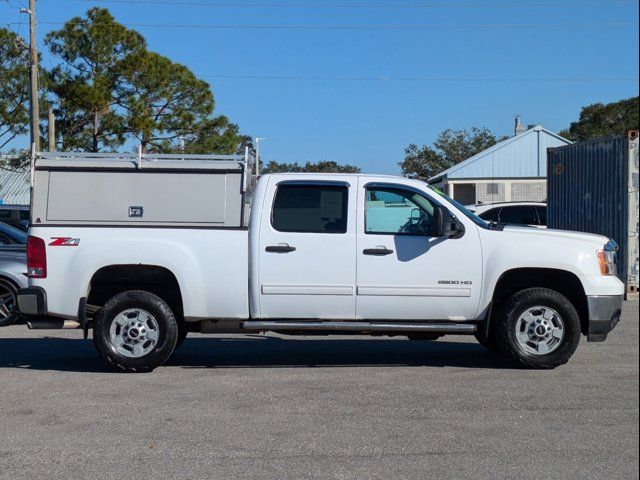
[539, 328]
[135, 331]
[8, 305]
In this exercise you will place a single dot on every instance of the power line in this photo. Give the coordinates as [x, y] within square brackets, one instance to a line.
[434, 5]
[348, 78]
[497, 26]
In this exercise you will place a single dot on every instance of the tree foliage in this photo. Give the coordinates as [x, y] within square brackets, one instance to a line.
[600, 120]
[85, 84]
[324, 166]
[109, 89]
[163, 100]
[14, 86]
[449, 148]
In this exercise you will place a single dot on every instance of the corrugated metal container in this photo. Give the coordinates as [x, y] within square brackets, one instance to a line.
[593, 187]
[14, 186]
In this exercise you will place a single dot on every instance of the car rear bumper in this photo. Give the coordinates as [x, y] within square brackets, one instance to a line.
[604, 315]
[32, 301]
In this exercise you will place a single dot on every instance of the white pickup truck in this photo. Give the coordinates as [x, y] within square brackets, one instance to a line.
[144, 249]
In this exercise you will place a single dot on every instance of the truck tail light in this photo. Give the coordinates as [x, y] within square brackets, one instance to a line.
[36, 258]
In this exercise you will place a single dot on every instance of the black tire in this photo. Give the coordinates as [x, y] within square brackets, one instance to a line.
[8, 303]
[516, 306]
[490, 343]
[182, 334]
[167, 331]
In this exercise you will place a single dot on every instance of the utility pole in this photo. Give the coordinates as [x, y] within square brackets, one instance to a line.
[52, 130]
[258, 140]
[34, 111]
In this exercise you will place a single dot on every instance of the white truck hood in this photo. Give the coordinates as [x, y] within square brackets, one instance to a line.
[588, 238]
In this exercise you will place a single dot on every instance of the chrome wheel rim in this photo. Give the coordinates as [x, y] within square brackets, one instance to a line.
[134, 333]
[539, 330]
[7, 303]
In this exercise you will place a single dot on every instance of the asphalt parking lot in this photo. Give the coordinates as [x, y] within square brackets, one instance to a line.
[327, 407]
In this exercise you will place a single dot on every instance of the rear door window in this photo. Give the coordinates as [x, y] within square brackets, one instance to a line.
[310, 208]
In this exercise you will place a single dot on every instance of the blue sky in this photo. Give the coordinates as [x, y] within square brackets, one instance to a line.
[432, 78]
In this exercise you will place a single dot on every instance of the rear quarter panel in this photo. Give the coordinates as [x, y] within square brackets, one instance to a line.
[210, 265]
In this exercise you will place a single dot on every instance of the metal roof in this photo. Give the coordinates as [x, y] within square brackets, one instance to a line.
[14, 186]
[521, 156]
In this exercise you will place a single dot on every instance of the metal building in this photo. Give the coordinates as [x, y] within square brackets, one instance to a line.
[512, 170]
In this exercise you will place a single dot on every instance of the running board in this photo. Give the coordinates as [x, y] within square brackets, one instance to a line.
[362, 326]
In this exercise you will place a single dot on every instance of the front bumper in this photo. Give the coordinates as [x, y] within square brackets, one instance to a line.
[32, 301]
[604, 315]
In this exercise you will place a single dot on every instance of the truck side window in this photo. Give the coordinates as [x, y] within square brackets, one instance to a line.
[490, 215]
[519, 215]
[397, 211]
[310, 208]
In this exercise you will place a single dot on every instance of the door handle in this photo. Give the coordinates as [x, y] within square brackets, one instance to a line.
[280, 248]
[378, 251]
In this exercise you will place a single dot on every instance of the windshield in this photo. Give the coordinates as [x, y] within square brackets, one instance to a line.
[465, 211]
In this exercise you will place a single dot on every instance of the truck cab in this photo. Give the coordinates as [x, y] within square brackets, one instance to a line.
[302, 253]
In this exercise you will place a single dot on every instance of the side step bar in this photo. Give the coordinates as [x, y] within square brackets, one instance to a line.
[362, 326]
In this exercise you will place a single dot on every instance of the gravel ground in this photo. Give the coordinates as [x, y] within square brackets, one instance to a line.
[270, 406]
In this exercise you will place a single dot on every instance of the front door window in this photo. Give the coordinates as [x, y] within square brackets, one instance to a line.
[394, 211]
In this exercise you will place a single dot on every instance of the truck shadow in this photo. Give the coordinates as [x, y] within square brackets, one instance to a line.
[76, 355]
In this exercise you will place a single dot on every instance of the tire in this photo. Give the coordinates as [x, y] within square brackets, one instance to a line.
[135, 331]
[182, 334]
[538, 328]
[8, 303]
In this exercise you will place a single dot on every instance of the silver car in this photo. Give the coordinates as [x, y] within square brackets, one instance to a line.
[13, 266]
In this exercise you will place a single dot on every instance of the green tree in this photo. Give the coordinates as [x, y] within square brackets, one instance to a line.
[108, 88]
[83, 86]
[216, 135]
[14, 86]
[163, 101]
[422, 162]
[323, 166]
[449, 148]
[600, 120]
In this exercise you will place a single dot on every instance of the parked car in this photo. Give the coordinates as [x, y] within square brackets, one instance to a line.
[15, 215]
[13, 268]
[330, 253]
[513, 213]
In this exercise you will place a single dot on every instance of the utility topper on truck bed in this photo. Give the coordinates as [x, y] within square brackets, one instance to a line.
[146, 249]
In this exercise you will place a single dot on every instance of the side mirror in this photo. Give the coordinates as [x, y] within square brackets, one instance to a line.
[444, 224]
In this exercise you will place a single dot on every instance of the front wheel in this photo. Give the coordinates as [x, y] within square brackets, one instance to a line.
[135, 331]
[539, 328]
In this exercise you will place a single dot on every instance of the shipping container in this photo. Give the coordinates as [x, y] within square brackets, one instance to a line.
[593, 187]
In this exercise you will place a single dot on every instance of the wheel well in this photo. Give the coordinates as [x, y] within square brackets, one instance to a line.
[114, 279]
[563, 282]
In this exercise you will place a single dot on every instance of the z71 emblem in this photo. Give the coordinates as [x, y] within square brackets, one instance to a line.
[64, 242]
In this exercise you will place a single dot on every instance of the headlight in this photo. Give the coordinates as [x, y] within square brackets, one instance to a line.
[607, 258]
